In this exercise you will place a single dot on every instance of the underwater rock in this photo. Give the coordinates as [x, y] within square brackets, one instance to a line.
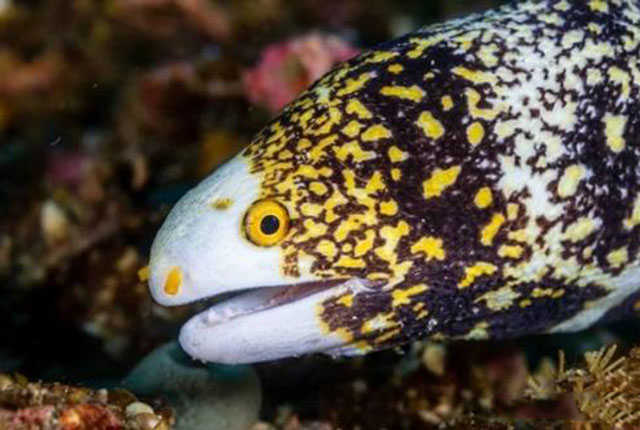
[204, 396]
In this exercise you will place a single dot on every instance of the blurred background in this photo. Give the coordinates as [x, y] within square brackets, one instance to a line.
[110, 110]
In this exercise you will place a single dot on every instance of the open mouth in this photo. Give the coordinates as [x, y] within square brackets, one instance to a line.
[267, 323]
[262, 299]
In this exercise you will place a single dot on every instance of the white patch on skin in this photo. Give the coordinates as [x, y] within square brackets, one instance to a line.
[208, 246]
[619, 287]
[287, 330]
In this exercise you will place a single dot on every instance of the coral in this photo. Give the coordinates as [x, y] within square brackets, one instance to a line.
[286, 68]
[34, 406]
[606, 390]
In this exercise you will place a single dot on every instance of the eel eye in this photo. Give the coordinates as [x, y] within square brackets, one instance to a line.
[266, 222]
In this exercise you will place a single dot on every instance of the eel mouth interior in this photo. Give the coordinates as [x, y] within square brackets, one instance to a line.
[261, 299]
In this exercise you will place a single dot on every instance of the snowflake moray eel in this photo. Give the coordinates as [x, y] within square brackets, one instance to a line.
[474, 179]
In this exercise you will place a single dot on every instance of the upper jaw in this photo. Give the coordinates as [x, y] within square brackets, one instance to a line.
[265, 325]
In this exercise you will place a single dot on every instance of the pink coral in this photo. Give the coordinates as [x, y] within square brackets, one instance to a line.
[286, 68]
[28, 418]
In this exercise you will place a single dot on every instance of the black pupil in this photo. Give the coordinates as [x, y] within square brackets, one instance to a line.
[269, 224]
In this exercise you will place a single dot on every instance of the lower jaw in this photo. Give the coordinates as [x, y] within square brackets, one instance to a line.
[265, 324]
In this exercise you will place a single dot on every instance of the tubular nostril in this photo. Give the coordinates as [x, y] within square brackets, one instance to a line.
[173, 281]
[144, 274]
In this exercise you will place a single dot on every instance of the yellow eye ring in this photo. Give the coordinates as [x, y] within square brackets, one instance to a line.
[266, 222]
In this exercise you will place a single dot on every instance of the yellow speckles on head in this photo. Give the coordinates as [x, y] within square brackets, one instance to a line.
[594, 76]
[381, 56]
[390, 334]
[352, 223]
[352, 85]
[307, 171]
[389, 208]
[473, 99]
[490, 230]
[551, 19]
[431, 247]
[396, 155]
[614, 126]
[222, 203]
[512, 211]
[500, 299]
[336, 199]
[539, 292]
[562, 5]
[319, 150]
[318, 188]
[580, 229]
[475, 133]
[344, 333]
[352, 129]
[403, 297]
[173, 282]
[510, 251]
[568, 184]
[634, 219]
[365, 245]
[439, 181]
[395, 68]
[354, 150]
[355, 107]
[375, 183]
[478, 332]
[350, 181]
[285, 155]
[350, 262]
[447, 103]
[378, 323]
[413, 93]
[475, 76]
[311, 209]
[599, 6]
[327, 249]
[420, 46]
[376, 132]
[621, 78]
[431, 127]
[396, 174]
[312, 229]
[618, 257]
[521, 235]
[594, 28]
[472, 273]
[487, 54]
[572, 38]
[346, 300]
[391, 236]
[483, 198]
[303, 144]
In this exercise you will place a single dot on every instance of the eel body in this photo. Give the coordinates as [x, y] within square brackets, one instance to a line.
[475, 179]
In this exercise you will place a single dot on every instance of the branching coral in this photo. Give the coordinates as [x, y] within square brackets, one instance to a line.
[606, 390]
[33, 406]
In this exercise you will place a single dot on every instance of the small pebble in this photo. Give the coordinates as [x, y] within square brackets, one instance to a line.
[53, 222]
[5, 382]
[434, 358]
[137, 408]
[146, 420]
